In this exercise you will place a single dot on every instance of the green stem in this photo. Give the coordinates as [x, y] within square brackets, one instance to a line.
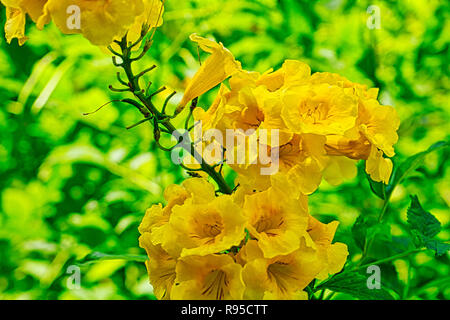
[367, 245]
[385, 207]
[135, 87]
[392, 258]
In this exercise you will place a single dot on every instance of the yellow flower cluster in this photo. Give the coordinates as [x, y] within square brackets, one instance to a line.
[325, 124]
[243, 246]
[261, 242]
[100, 21]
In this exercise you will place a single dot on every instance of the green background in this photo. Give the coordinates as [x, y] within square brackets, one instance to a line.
[73, 184]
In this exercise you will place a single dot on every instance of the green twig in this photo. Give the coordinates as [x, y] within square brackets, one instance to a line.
[160, 118]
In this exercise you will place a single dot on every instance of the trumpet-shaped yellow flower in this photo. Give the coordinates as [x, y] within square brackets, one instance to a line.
[281, 277]
[376, 127]
[204, 228]
[160, 267]
[156, 219]
[152, 17]
[219, 66]
[301, 162]
[247, 106]
[276, 220]
[157, 216]
[100, 21]
[332, 256]
[195, 221]
[211, 277]
[319, 109]
[379, 125]
[315, 114]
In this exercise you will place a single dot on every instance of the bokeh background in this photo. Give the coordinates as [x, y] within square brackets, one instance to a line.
[71, 184]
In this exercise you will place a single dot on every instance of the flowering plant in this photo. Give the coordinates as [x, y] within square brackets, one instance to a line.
[254, 238]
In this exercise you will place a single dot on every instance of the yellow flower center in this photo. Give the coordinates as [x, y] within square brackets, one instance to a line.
[207, 228]
[270, 222]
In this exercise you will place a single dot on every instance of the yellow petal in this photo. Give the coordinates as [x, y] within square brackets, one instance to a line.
[219, 66]
[212, 277]
[340, 169]
[15, 25]
[378, 167]
[160, 267]
[34, 8]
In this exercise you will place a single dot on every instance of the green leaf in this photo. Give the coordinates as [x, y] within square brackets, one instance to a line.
[422, 221]
[359, 229]
[410, 164]
[354, 284]
[424, 227]
[96, 256]
[439, 247]
[367, 230]
[378, 188]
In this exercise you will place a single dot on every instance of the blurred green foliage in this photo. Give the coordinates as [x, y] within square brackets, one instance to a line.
[72, 184]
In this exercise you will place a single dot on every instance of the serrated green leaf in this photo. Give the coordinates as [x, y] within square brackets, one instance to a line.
[424, 227]
[439, 247]
[354, 284]
[422, 221]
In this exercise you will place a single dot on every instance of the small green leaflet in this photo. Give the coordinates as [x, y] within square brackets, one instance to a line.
[354, 284]
[99, 256]
[421, 220]
[424, 227]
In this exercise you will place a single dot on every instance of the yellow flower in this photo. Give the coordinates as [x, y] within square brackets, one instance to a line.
[160, 267]
[100, 21]
[157, 216]
[378, 167]
[152, 17]
[310, 112]
[333, 256]
[204, 228]
[156, 219]
[276, 220]
[376, 126]
[301, 162]
[219, 66]
[248, 105]
[195, 221]
[292, 73]
[16, 11]
[320, 109]
[211, 277]
[281, 277]
[15, 25]
[379, 125]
